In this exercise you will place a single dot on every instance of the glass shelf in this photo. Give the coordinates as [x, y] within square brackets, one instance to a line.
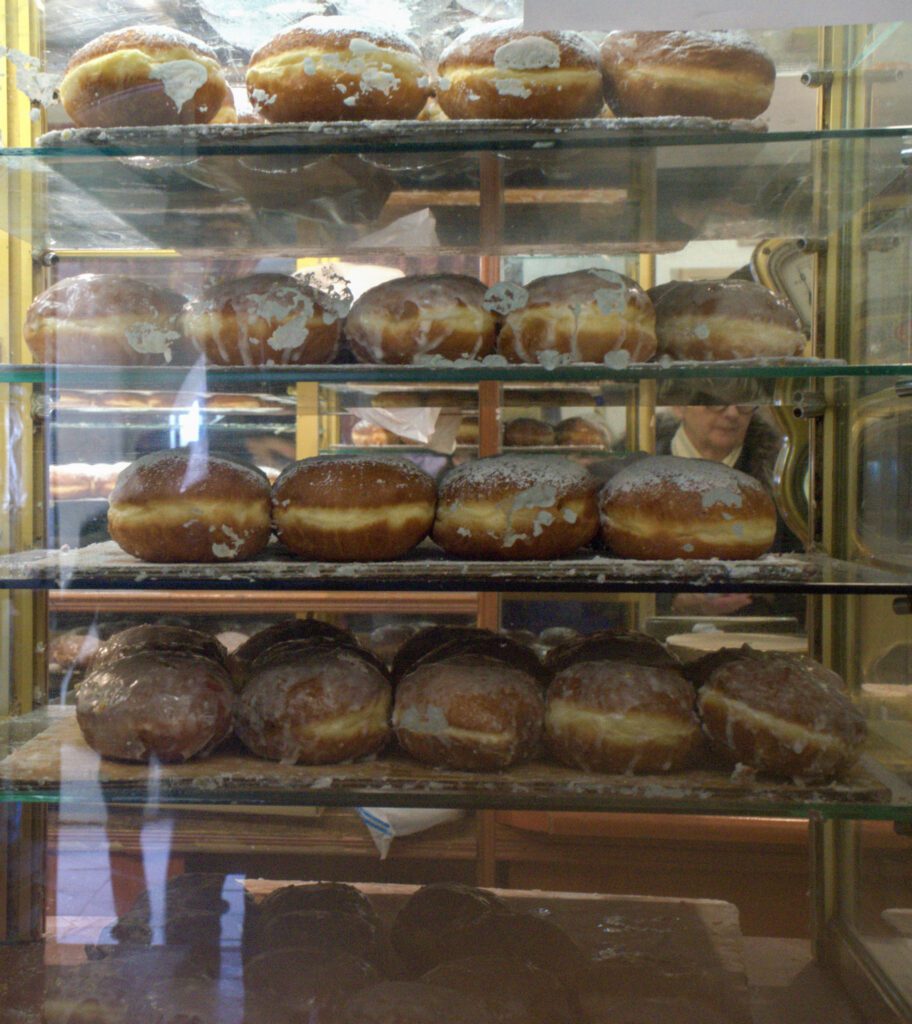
[184, 380]
[104, 566]
[415, 187]
[45, 759]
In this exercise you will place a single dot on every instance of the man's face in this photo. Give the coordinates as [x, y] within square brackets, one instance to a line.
[716, 430]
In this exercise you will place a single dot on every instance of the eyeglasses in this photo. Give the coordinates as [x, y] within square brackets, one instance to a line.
[744, 410]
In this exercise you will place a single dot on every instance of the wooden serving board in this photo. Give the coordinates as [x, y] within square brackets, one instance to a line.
[59, 761]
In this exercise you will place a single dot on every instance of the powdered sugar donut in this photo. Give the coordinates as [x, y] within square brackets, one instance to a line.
[620, 716]
[777, 714]
[434, 314]
[337, 69]
[727, 319]
[155, 705]
[698, 74]
[145, 75]
[668, 507]
[468, 712]
[499, 70]
[311, 702]
[261, 320]
[516, 506]
[584, 315]
[104, 320]
[185, 506]
[353, 508]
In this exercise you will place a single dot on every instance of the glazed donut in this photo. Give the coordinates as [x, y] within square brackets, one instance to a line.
[513, 991]
[686, 74]
[608, 645]
[774, 713]
[668, 507]
[516, 507]
[621, 716]
[266, 640]
[370, 435]
[103, 320]
[409, 1002]
[337, 69]
[184, 506]
[263, 320]
[578, 430]
[468, 712]
[324, 931]
[385, 641]
[425, 315]
[151, 636]
[585, 316]
[428, 639]
[353, 508]
[526, 432]
[155, 705]
[418, 930]
[501, 71]
[487, 644]
[145, 75]
[332, 897]
[313, 703]
[727, 319]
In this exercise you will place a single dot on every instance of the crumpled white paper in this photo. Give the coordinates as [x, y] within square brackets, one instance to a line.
[385, 823]
[429, 426]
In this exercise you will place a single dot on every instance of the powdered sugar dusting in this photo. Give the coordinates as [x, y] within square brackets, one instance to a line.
[538, 480]
[715, 482]
[528, 53]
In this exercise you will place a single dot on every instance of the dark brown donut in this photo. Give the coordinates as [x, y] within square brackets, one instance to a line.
[165, 640]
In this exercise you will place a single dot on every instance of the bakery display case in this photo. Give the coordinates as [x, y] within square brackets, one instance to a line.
[354, 472]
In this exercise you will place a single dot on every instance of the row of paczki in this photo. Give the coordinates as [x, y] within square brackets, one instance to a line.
[184, 505]
[465, 699]
[349, 69]
[585, 316]
[321, 953]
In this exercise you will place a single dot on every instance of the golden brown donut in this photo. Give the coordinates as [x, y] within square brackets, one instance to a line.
[155, 706]
[185, 506]
[262, 320]
[337, 69]
[371, 436]
[578, 430]
[777, 714]
[695, 74]
[727, 319]
[424, 315]
[501, 71]
[515, 507]
[621, 716]
[526, 432]
[418, 930]
[267, 639]
[667, 507]
[353, 508]
[468, 712]
[313, 703]
[145, 75]
[585, 316]
[104, 320]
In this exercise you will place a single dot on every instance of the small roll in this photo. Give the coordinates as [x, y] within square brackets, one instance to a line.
[686, 74]
[184, 506]
[501, 71]
[310, 703]
[155, 706]
[526, 432]
[516, 507]
[620, 716]
[104, 320]
[263, 320]
[582, 432]
[371, 436]
[668, 507]
[145, 75]
[728, 319]
[468, 712]
[353, 508]
[337, 69]
[585, 316]
[424, 315]
[777, 714]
